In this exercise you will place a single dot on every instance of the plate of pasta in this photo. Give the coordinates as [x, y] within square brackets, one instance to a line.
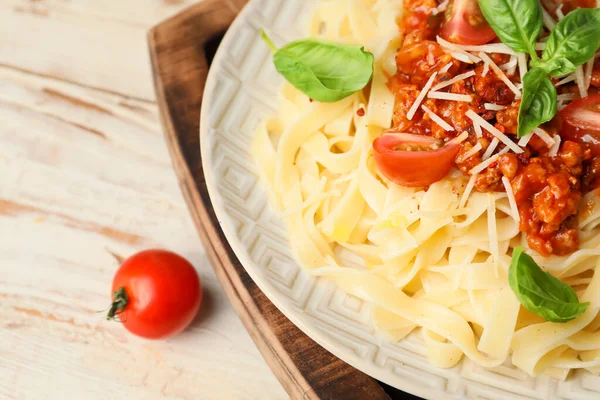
[414, 184]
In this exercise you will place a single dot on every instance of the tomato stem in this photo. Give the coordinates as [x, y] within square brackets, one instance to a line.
[120, 301]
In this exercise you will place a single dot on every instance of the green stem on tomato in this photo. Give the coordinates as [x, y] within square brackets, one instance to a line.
[120, 301]
[268, 41]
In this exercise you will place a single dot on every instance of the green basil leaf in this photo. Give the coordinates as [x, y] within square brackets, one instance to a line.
[517, 23]
[538, 104]
[325, 71]
[556, 64]
[573, 41]
[540, 292]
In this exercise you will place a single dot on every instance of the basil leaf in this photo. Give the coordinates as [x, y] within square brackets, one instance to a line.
[573, 41]
[323, 70]
[517, 23]
[539, 101]
[540, 292]
[555, 64]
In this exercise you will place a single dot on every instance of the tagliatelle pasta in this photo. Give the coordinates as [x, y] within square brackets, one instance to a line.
[431, 260]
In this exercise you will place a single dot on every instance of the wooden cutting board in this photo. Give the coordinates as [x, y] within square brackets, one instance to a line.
[181, 50]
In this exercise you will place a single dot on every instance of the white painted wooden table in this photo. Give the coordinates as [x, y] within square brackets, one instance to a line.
[84, 170]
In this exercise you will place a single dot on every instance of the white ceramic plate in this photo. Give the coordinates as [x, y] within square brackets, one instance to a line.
[242, 89]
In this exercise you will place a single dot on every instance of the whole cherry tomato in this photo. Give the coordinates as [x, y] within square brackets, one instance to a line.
[155, 294]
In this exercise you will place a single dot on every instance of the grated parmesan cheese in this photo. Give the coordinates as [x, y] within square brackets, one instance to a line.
[559, 12]
[474, 150]
[494, 131]
[437, 119]
[565, 97]
[501, 74]
[511, 71]
[510, 66]
[525, 139]
[486, 163]
[417, 103]
[511, 63]
[493, 107]
[460, 138]
[500, 48]
[486, 69]
[554, 149]
[448, 45]
[542, 134]
[511, 199]
[589, 69]
[583, 92]
[523, 69]
[450, 96]
[457, 78]
[490, 150]
[441, 8]
[567, 79]
[464, 57]
[549, 22]
[468, 190]
[478, 130]
[483, 165]
[446, 68]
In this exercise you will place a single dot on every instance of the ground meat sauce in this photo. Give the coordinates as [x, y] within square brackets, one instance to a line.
[548, 190]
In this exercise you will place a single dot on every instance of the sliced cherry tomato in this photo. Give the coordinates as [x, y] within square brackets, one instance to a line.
[465, 24]
[413, 160]
[156, 294]
[581, 122]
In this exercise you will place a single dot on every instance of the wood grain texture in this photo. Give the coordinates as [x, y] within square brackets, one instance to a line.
[305, 369]
[84, 171]
[96, 44]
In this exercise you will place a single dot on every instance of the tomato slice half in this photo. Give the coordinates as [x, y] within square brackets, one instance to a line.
[413, 160]
[465, 24]
[581, 122]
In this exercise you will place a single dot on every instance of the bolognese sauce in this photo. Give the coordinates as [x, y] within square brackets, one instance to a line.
[547, 185]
